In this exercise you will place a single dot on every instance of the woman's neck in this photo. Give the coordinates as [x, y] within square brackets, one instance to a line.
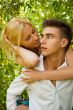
[37, 51]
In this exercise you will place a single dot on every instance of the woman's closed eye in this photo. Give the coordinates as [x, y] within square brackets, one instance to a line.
[28, 38]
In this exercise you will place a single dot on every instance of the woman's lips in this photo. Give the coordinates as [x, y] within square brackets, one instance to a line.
[36, 43]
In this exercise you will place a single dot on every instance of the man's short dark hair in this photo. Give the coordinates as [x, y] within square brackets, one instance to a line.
[64, 28]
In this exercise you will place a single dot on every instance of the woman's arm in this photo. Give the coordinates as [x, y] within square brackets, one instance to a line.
[59, 74]
[26, 58]
[69, 56]
[23, 56]
[15, 89]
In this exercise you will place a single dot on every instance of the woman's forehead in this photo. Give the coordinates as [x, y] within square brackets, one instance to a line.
[28, 29]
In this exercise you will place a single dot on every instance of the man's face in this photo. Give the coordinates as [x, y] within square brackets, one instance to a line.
[50, 41]
[30, 39]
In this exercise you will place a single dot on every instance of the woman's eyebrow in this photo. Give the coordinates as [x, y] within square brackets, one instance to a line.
[33, 30]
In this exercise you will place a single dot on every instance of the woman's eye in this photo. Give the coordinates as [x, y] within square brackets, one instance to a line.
[28, 38]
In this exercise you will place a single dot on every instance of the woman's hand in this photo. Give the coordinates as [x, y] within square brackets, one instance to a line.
[69, 56]
[16, 50]
[32, 75]
[14, 47]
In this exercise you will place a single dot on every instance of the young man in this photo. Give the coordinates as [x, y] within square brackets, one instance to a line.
[46, 94]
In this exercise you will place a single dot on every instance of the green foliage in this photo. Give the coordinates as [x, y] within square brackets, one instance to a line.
[8, 71]
[36, 11]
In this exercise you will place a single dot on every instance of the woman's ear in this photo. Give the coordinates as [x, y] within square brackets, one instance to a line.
[64, 42]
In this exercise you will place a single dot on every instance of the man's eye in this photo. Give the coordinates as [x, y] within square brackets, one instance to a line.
[49, 36]
[28, 38]
[42, 35]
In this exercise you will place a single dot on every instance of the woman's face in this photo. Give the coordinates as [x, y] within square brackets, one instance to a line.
[30, 39]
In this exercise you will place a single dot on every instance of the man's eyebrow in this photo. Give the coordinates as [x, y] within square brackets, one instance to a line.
[41, 34]
[49, 34]
[46, 34]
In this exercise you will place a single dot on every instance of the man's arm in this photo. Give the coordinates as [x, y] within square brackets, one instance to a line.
[15, 89]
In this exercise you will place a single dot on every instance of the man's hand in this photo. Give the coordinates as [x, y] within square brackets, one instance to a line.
[32, 75]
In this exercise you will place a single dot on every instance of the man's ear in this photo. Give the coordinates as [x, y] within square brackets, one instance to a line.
[64, 42]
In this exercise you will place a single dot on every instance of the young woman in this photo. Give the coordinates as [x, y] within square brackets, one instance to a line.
[19, 36]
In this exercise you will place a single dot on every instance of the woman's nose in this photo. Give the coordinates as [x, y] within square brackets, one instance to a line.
[36, 37]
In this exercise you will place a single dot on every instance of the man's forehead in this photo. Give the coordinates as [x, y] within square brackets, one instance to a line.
[50, 30]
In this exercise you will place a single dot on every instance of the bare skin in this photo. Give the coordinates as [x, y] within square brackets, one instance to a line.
[22, 107]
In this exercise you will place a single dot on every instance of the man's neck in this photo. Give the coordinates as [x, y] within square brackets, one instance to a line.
[54, 61]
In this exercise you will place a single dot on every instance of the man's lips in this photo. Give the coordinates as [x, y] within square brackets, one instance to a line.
[43, 48]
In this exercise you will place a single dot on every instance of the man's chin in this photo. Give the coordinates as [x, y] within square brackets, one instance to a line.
[43, 54]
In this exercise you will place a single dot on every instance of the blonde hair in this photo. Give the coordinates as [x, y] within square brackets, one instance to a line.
[14, 32]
